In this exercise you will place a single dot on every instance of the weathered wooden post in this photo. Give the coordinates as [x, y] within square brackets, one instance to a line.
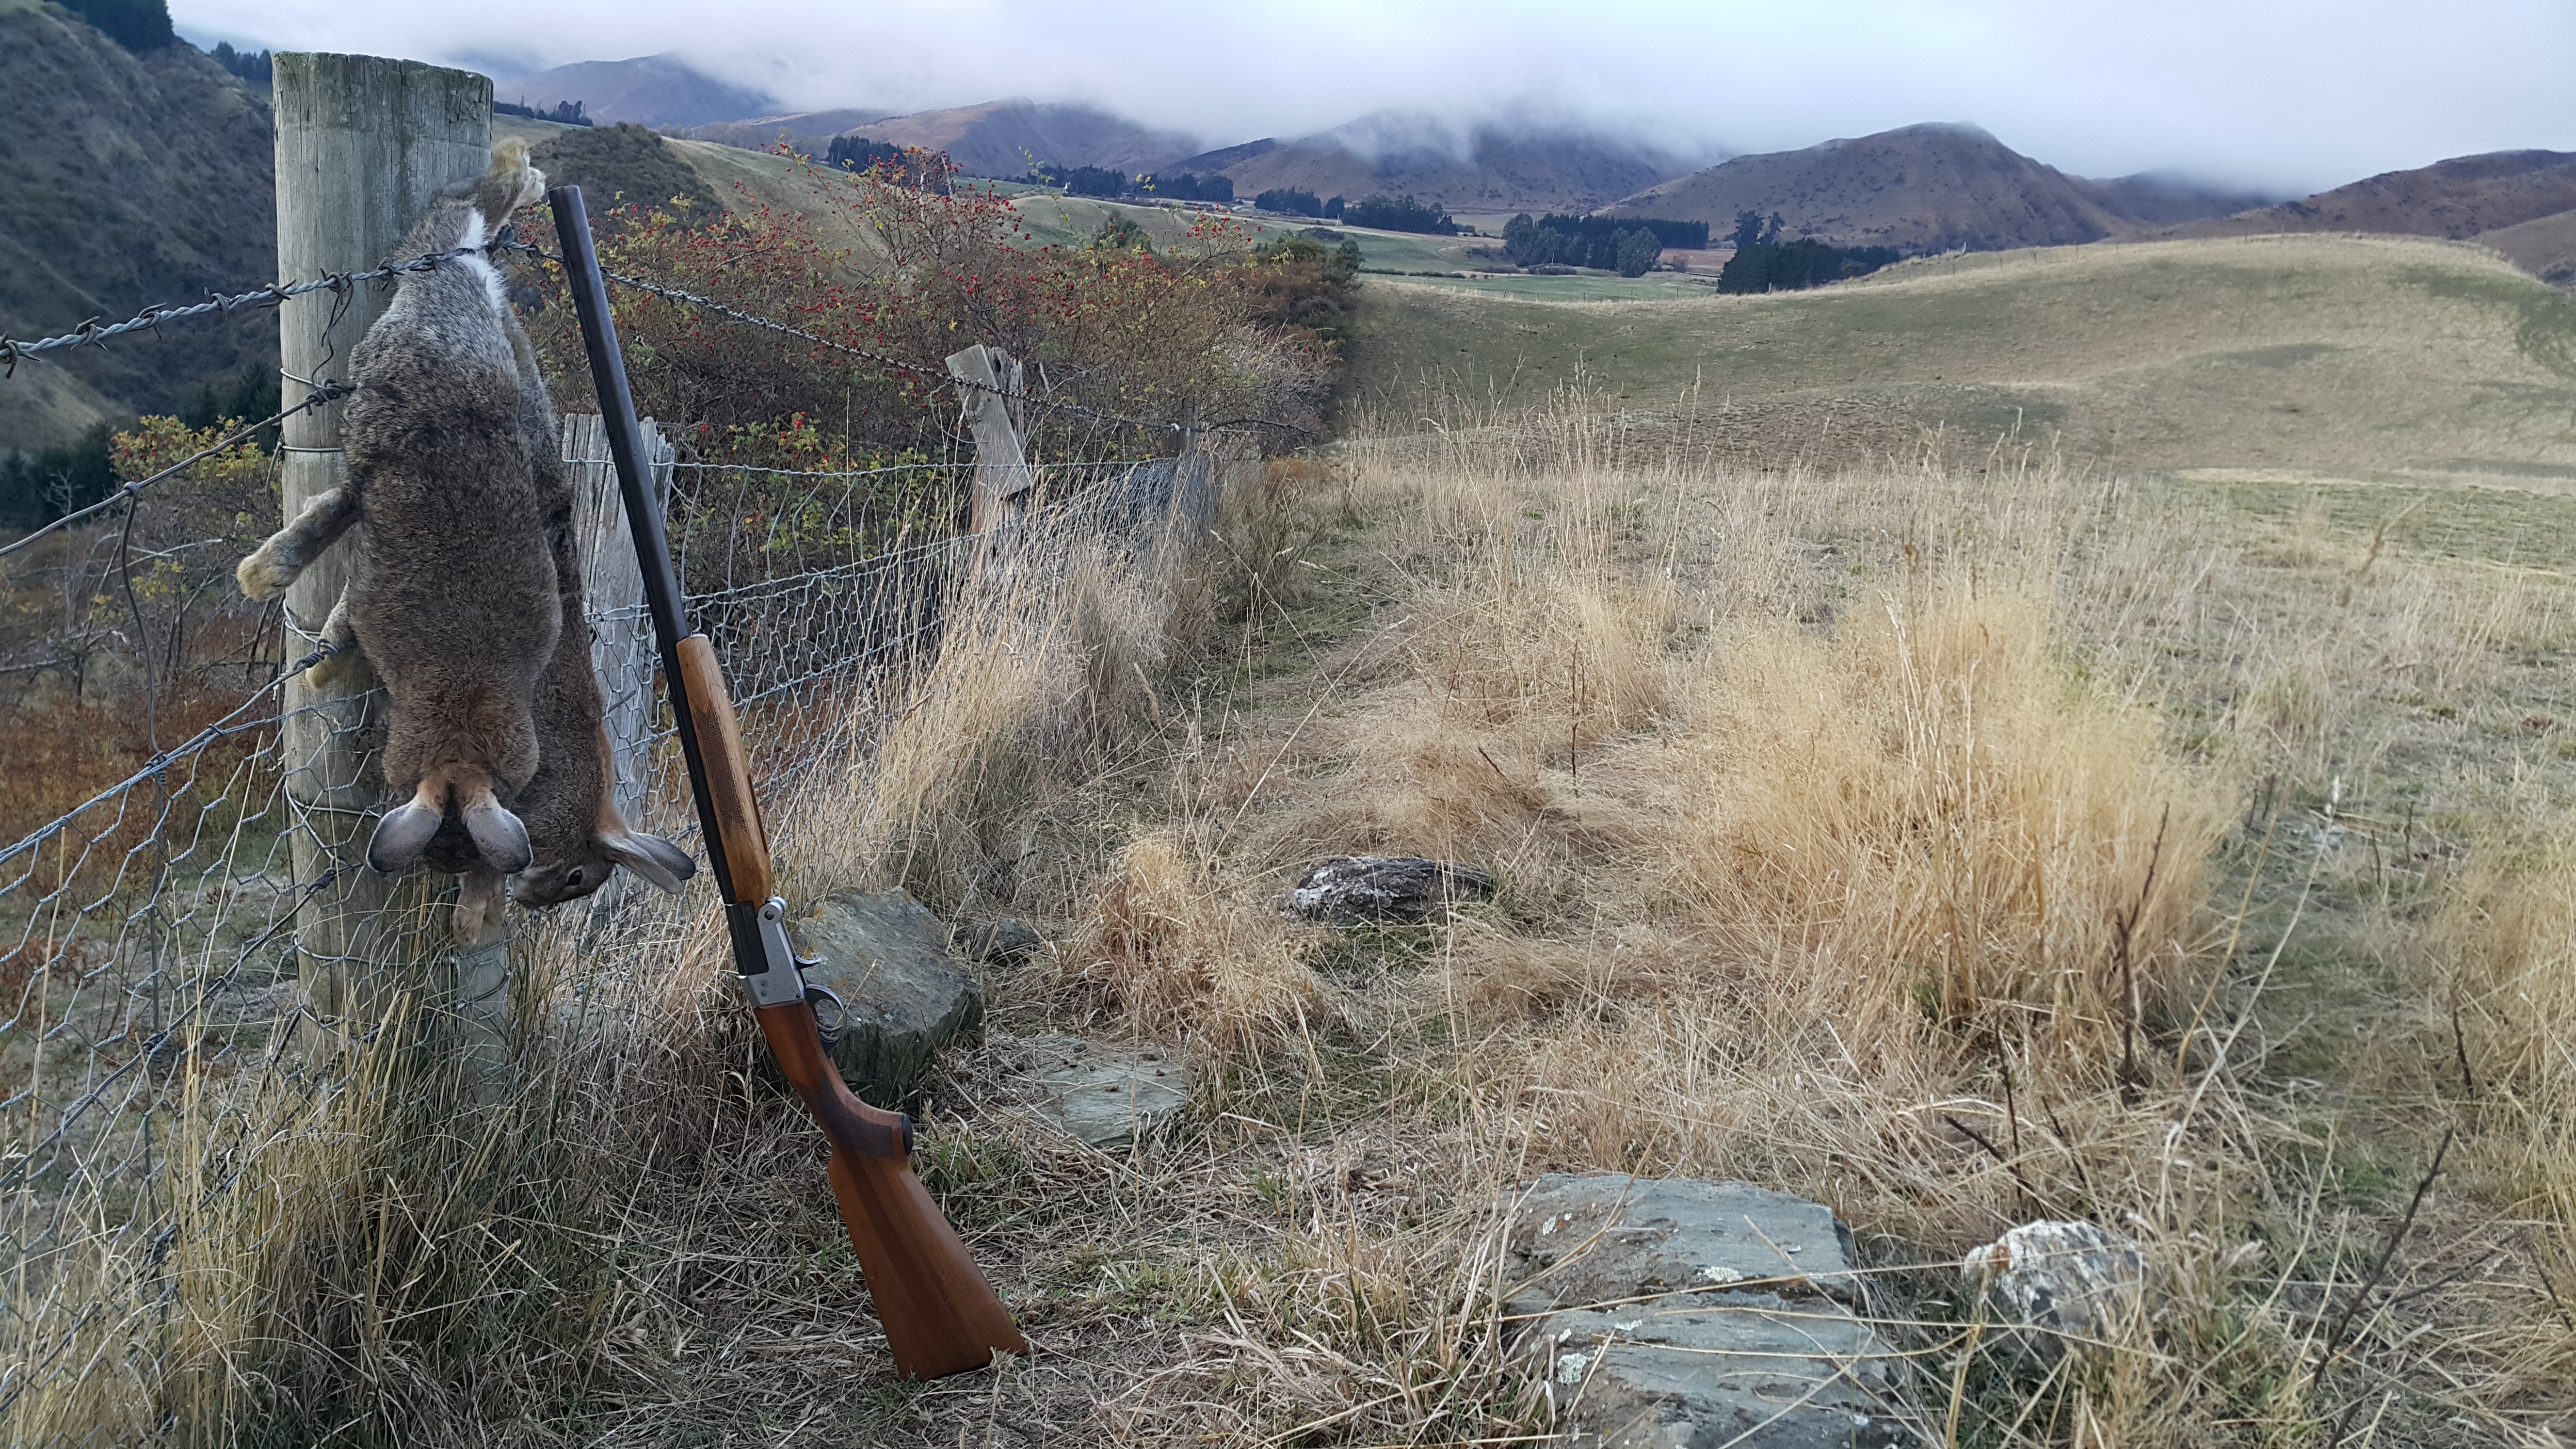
[363, 143]
[612, 587]
[985, 375]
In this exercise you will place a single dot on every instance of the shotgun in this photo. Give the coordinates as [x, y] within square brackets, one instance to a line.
[940, 1314]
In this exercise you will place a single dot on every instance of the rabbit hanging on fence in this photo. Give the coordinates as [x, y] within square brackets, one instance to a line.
[453, 597]
[575, 834]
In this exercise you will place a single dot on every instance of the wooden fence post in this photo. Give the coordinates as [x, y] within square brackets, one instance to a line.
[984, 374]
[622, 651]
[363, 143]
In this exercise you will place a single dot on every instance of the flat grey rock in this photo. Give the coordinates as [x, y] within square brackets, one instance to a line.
[1349, 889]
[903, 997]
[1105, 1095]
[1689, 1315]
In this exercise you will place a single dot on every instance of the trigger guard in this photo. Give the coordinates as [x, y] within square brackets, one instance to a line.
[815, 995]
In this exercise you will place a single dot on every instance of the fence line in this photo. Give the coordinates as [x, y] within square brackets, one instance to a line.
[151, 982]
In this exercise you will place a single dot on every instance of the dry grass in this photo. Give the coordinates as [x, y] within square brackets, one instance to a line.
[1957, 846]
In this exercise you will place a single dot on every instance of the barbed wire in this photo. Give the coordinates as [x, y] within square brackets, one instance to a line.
[328, 392]
[273, 295]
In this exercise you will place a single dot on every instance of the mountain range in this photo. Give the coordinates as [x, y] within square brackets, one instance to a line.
[650, 90]
[1489, 170]
[1000, 139]
[2522, 203]
[128, 178]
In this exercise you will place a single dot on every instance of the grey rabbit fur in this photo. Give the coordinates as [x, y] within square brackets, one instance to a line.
[453, 597]
[576, 836]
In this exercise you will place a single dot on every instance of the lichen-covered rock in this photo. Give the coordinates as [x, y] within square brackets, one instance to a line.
[2070, 1282]
[1348, 889]
[903, 997]
[1687, 1315]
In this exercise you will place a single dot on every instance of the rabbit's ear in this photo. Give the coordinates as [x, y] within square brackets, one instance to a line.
[657, 860]
[498, 836]
[402, 835]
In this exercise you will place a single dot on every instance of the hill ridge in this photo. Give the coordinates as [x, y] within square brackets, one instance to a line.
[1928, 187]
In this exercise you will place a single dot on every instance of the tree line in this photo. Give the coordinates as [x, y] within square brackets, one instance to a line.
[568, 113]
[1103, 181]
[1612, 248]
[1297, 201]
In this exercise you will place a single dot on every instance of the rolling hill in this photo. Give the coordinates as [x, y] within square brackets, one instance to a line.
[1490, 170]
[2389, 358]
[1927, 188]
[125, 179]
[650, 90]
[2521, 203]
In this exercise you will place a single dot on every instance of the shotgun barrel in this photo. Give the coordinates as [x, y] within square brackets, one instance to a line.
[940, 1314]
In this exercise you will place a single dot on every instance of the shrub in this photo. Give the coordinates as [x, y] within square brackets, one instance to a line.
[40, 486]
[1300, 284]
[1121, 329]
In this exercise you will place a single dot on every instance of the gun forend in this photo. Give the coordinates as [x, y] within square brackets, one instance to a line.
[728, 773]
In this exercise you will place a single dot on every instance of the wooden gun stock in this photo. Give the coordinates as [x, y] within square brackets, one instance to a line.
[940, 1314]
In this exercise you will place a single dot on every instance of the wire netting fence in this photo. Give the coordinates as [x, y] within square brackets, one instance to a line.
[185, 959]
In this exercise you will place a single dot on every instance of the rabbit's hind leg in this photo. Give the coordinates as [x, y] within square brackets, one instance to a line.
[477, 918]
[287, 553]
[343, 664]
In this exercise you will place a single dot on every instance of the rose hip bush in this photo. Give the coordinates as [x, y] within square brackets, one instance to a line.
[1184, 335]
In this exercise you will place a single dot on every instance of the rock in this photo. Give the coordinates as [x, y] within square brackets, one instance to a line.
[1352, 888]
[1107, 1096]
[1007, 939]
[1688, 1315]
[2072, 1282]
[903, 997]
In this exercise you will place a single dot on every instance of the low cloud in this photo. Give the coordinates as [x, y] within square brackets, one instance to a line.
[2295, 95]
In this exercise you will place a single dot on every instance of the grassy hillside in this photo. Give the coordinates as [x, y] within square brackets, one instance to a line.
[2375, 357]
[124, 180]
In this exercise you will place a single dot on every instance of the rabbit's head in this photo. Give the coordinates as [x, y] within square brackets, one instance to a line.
[551, 883]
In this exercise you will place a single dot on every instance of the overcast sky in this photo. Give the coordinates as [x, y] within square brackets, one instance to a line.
[2292, 94]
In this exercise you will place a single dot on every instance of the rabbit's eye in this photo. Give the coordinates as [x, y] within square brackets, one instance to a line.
[573, 878]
